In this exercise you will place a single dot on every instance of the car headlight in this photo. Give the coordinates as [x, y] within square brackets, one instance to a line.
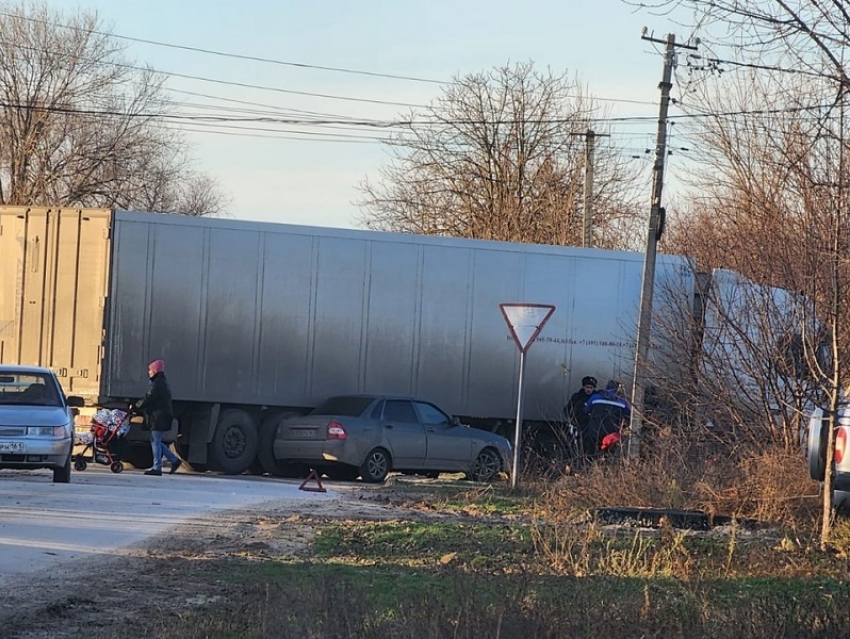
[46, 431]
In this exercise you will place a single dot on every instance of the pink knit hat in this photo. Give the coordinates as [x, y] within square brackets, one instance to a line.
[157, 366]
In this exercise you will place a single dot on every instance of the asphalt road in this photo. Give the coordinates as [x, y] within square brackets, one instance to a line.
[99, 512]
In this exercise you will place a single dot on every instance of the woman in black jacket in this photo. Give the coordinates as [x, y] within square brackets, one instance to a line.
[156, 407]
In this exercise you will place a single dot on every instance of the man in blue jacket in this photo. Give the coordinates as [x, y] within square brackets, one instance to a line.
[607, 413]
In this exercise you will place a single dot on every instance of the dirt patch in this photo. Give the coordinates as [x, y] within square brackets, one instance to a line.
[112, 595]
[122, 594]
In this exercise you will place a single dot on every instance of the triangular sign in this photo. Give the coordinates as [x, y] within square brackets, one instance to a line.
[526, 321]
[314, 476]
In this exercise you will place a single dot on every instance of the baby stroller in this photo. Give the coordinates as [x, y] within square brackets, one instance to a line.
[103, 442]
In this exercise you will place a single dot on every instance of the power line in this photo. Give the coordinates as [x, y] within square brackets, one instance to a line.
[212, 127]
[387, 124]
[260, 104]
[238, 56]
[715, 62]
[244, 85]
[274, 61]
[267, 136]
[260, 87]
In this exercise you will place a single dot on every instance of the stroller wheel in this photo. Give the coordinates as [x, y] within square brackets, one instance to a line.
[80, 464]
[117, 467]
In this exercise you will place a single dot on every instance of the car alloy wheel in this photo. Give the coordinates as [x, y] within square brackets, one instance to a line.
[487, 466]
[376, 467]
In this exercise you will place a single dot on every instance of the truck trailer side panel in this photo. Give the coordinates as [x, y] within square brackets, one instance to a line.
[278, 315]
[53, 291]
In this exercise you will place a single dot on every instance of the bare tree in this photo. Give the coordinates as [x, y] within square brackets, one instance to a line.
[80, 126]
[502, 155]
[747, 347]
[797, 173]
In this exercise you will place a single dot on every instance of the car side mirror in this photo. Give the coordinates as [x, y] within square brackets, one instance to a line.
[456, 421]
[75, 401]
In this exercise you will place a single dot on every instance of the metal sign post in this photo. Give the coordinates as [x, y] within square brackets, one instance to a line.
[525, 322]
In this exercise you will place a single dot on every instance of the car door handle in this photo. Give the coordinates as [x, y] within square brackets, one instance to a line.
[431, 430]
[388, 425]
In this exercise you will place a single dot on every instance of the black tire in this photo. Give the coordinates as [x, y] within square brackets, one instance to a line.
[198, 468]
[63, 475]
[141, 456]
[487, 466]
[80, 465]
[343, 473]
[432, 474]
[265, 445]
[116, 467]
[376, 467]
[234, 444]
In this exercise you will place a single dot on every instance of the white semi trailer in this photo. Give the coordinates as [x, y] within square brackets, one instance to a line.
[257, 320]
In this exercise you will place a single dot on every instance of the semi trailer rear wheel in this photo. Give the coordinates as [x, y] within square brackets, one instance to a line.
[234, 443]
[265, 447]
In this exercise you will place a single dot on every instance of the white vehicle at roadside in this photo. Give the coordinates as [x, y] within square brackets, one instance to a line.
[36, 421]
[816, 453]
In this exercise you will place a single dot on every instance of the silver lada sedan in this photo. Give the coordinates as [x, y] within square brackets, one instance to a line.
[369, 435]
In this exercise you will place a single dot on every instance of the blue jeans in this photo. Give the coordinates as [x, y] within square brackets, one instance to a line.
[160, 449]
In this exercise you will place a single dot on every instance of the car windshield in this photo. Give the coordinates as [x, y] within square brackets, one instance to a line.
[28, 389]
[344, 405]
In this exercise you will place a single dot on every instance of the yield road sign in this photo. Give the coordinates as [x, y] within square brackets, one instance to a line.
[526, 321]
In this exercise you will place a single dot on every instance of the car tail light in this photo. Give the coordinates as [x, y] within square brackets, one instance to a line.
[840, 444]
[336, 431]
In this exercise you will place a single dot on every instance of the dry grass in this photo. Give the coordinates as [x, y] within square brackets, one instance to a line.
[767, 483]
[558, 575]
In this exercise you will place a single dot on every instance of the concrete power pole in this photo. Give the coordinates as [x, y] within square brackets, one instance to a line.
[590, 139]
[656, 222]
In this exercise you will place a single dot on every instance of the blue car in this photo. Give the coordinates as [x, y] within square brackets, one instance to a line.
[36, 421]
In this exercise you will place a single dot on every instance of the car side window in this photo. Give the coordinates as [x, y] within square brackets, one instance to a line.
[396, 410]
[431, 415]
[376, 412]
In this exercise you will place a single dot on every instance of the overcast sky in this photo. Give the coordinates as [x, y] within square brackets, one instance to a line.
[309, 175]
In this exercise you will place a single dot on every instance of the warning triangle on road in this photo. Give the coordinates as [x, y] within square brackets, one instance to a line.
[526, 321]
[313, 489]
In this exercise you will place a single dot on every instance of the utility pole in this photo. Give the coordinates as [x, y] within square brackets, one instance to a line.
[656, 226]
[589, 140]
